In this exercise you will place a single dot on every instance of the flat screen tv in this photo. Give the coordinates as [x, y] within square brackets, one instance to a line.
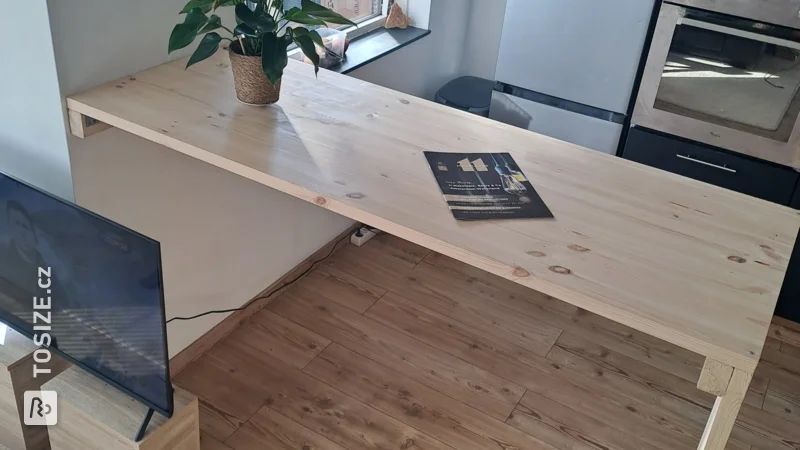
[104, 284]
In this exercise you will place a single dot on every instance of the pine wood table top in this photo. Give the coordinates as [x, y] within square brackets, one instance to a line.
[693, 264]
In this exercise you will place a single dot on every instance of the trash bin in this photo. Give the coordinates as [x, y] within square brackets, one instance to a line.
[470, 94]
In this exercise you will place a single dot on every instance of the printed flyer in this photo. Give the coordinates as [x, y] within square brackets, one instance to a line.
[486, 186]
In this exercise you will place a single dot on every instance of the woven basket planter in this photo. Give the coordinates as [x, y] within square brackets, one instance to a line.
[252, 86]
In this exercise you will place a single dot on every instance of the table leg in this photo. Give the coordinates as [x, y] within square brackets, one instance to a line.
[726, 408]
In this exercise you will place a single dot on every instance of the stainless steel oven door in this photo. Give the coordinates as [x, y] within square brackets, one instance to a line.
[724, 81]
[778, 12]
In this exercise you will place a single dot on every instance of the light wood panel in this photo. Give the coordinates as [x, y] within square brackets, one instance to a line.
[83, 127]
[723, 415]
[16, 348]
[590, 391]
[661, 248]
[715, 377]
[36, 438]
[16, 377]
[95, 416]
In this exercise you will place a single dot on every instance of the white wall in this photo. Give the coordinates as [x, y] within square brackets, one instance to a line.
[424, 66]
[33, 145]
[464, 40]
[482, 43]
[223, 238]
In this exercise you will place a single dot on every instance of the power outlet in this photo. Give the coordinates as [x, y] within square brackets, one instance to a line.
[362, 235]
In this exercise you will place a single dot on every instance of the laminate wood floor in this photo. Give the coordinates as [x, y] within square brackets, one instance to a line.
[390, 346]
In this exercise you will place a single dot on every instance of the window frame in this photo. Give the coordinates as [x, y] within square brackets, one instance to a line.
[371, 24]
[364, 27]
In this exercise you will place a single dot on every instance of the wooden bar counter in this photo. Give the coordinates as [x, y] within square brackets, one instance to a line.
[692, 264]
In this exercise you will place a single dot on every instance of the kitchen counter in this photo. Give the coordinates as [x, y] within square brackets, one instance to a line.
[695, 265]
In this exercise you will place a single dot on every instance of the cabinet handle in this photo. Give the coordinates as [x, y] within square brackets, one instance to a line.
[716, 166]
[740, 33]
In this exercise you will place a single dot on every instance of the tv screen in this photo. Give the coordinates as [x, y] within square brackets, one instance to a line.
[105, 288]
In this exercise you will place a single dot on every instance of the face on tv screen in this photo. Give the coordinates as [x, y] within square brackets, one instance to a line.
[104, 287]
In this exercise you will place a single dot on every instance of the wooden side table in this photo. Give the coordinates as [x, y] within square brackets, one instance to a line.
[16, 377]
[96, 416]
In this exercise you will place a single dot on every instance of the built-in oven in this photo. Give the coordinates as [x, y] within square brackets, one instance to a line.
[719, 102]
[726, 73]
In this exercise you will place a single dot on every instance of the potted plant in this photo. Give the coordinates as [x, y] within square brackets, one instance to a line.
[259, 42]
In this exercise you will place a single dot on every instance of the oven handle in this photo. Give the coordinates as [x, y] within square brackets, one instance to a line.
[716, 166]
[741, 33]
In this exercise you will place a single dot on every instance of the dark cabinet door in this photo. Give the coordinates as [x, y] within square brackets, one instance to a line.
[737, 173]
[745, 175]
[789, 301]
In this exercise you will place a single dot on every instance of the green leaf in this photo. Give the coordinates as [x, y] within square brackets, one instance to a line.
[208, 46]
[297, 15]
[261, 22]
[324, 13]
[204, 5]
[312, 34]
[274, 56]
[309, 49]
[244, 29]
[185, 33]
[214, 22]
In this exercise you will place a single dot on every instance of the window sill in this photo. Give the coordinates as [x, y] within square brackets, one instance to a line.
[377, 44]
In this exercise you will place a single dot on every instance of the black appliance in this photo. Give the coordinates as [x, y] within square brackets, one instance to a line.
[719, 101]
[736, 172]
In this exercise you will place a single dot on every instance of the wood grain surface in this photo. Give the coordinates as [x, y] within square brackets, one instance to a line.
[692, 264]
[398, 373]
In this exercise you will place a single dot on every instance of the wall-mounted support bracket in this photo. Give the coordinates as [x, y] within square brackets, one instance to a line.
[84, 126]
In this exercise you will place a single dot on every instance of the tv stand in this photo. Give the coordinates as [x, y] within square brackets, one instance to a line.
[143, 427]
[95, 416]
[16, 368]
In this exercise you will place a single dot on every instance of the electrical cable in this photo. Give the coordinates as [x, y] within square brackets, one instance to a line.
[278, 289]
[768, 76]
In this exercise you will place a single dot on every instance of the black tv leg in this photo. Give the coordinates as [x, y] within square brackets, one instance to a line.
[143, 428]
